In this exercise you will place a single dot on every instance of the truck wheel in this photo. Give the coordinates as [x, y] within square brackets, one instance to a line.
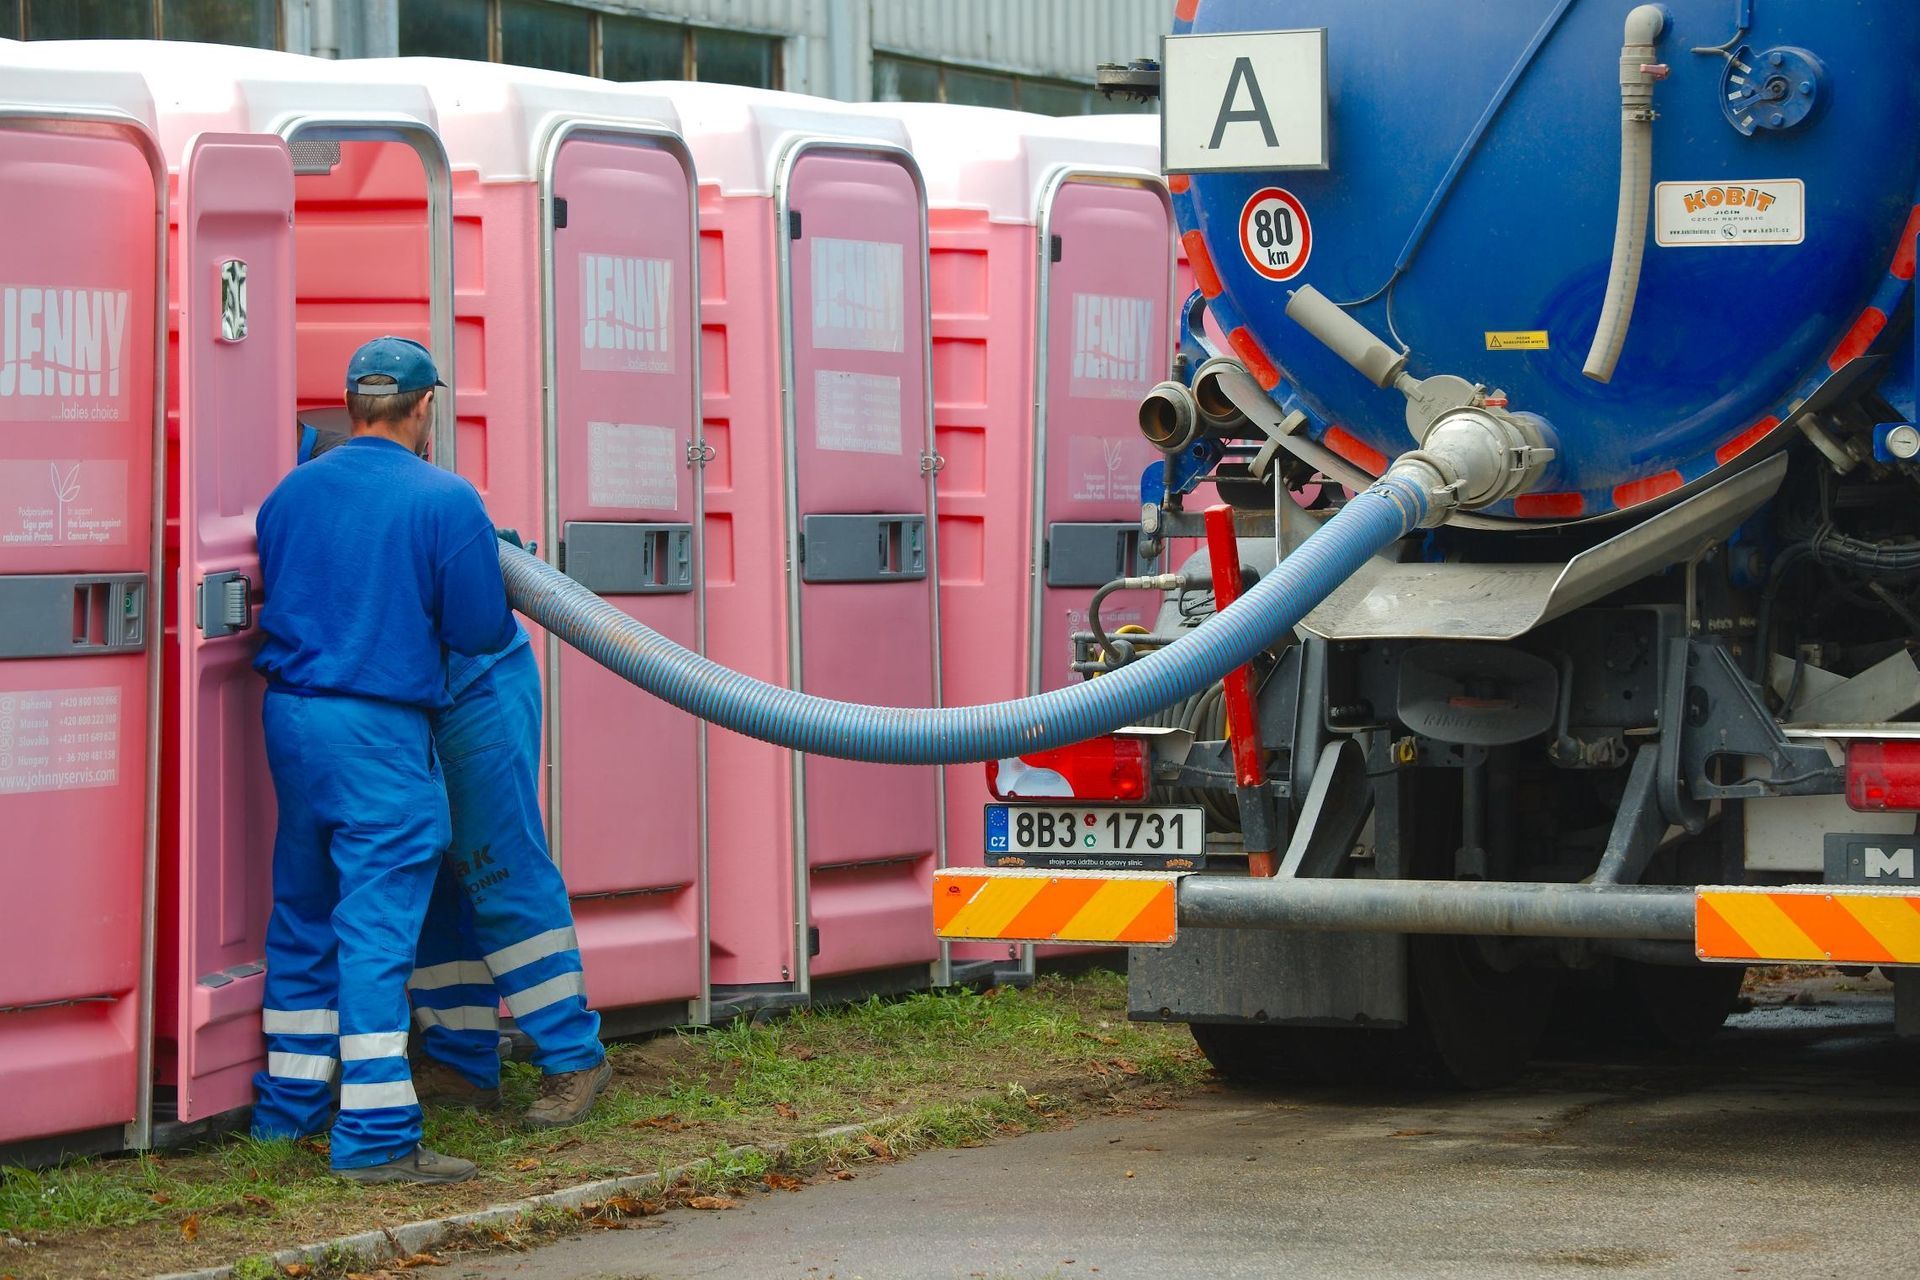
[1243, 1053]
[1674, 1006]
[1474, 1026]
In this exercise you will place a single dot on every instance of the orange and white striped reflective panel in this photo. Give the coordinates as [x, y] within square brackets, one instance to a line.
[1021, 905]
[1819, 923]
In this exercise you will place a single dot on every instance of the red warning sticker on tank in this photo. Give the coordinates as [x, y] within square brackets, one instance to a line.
[1725, 214]
[1275, 234]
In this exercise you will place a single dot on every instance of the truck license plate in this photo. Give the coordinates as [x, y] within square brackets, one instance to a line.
[1069, 836]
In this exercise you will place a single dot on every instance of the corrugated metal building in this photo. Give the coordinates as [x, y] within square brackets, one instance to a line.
[1035, 54]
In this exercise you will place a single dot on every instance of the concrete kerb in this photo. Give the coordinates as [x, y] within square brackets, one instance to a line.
[388, 1243]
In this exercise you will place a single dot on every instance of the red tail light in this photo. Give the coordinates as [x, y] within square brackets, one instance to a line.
[1109, 768]
[1883, 775]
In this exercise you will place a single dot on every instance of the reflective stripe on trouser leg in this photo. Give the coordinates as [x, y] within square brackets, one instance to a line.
[489, 743]
[454, 1001]
[388, 817]
[294, 1095]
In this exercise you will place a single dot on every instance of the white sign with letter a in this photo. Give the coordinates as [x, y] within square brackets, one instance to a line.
[1244, 100]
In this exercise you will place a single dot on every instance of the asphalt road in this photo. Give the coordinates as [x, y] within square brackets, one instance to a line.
[1791, 1150]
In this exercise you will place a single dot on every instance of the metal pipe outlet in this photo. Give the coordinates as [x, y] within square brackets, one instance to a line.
[1504, 909]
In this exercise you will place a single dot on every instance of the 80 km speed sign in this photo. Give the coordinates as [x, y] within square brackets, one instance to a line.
[1275, 235]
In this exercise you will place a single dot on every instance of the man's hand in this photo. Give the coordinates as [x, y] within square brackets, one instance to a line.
[513, 536]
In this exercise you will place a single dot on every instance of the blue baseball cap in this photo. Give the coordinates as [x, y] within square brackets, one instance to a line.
[409, 364]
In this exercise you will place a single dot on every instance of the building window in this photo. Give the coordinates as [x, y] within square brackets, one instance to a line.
[565, 37]
[912, 80]
[444, 29]
[635, 49]
[728, 57]
[245, 22]
[552, 36]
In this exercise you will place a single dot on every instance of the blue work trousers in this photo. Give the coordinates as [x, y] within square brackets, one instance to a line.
[362, 826]
[499, 926]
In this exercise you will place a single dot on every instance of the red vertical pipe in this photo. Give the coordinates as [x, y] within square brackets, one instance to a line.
[1243, 726]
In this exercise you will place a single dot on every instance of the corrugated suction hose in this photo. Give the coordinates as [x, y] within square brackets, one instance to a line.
[636, 653]
[1638, 71]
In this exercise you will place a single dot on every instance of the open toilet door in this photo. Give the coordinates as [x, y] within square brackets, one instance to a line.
[235, 295]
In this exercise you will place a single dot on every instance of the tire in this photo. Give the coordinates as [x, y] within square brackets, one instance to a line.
[1242, 1052]
[1474, 1024]
[1251, 1054]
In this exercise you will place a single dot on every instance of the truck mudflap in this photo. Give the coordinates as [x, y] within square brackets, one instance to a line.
[1819, 924]
[1131, 908]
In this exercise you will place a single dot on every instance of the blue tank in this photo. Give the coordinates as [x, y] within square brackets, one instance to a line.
[1499, 258]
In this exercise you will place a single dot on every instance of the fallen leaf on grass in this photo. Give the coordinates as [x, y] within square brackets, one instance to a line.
[782, 1182]
[524, 1166]
[712, 1202]
[159, 1197]
[568, 1145]
[881, 1151]
[190, 1228]
[1096, 1036]
[843, 1175]
[800, 1053]
[786, 1111]
[414, 1260]
[257, 1201]
[671, 1123]
[296, 1270]
[1412, 1133]
[1125, 1067]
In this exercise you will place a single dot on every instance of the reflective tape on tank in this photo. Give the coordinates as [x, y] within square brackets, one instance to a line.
[1135, 908]
[1821, 924]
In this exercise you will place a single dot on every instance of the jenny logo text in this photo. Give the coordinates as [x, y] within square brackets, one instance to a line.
[626, 313]
[1112, 338]
[62, 342]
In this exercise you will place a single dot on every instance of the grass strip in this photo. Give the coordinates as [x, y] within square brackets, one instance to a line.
[715, 1110]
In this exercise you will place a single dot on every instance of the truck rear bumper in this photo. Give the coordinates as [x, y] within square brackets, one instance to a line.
[1814, 923]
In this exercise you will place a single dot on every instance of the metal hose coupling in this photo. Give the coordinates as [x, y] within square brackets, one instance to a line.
[1471, 449]
[1479, 454]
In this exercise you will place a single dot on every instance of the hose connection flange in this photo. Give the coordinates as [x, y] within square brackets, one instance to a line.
[1169, 418]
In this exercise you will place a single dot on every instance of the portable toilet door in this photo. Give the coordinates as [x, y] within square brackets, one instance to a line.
[235, 305]
[860, 468]
[82, 259]
[624, 513]
[820, 536]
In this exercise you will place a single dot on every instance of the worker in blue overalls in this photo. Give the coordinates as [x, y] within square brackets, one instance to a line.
[499, 926]
[374, 562]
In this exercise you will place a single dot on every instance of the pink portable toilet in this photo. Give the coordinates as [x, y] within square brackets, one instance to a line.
[820, 535]
[1052, 290]
[82, 334]
[577, 296]
[310, 210]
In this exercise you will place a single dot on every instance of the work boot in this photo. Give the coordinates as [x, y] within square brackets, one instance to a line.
[435, 1081]
[418, 1165]
[567, 1097]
